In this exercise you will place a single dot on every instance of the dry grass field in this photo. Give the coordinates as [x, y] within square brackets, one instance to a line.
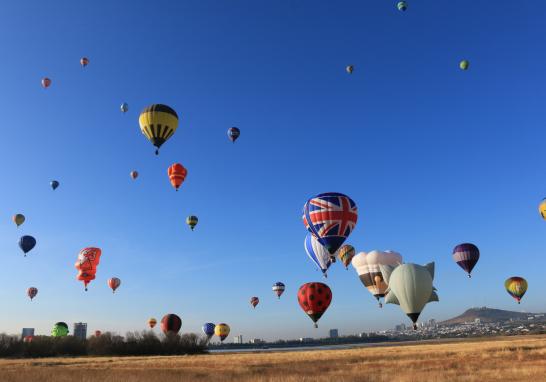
[513, 358]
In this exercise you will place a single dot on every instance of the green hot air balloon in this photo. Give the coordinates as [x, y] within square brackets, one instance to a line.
[464, 64]
[60, 330]
[402, 6]
[410, 286]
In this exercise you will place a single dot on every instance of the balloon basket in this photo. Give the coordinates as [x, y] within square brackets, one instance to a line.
[469, 276]
[316, 326]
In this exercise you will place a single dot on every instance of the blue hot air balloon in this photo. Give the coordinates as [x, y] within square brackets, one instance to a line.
[26, 243]
[233, 133]
[54, 184]
[330, 217]
[208, 329]
[317, 253]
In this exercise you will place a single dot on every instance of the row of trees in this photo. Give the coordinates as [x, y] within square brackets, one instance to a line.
[107, 344]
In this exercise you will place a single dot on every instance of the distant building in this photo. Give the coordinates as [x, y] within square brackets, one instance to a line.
[257, 341]
[80, 330]
[27, 332]
[238, 339]
[400, 328]
[477, 321]
[334, 333]
[306, 339]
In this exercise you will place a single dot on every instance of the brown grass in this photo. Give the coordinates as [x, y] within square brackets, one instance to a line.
[514, 358]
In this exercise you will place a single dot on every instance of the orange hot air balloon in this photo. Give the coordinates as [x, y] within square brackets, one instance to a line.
[177, 174]
[84, 61]
[114, 283]
[254, 301]
[151, 322]
[46, 82]
[88, 260]
[134, 174]
[32, 292]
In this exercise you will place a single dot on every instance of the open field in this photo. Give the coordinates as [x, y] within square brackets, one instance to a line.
[508, 358]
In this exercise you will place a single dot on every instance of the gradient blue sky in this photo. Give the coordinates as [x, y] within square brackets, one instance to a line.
[432, 155]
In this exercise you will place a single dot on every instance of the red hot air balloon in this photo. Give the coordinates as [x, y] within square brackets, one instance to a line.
[114, 283]
[28, 339]
[88, 260]
[84, 61]
[314, 299]
[32, 292]
[466, 255]
[46, 82]
[254, 301]
[171, 323]
[177, 174]
[98, 333]
[134, 174]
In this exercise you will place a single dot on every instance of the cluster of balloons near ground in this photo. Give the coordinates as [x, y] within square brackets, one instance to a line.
[330, 219]
[172, 323]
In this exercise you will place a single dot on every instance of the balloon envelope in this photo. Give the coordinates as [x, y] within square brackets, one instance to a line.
[402, 6]
[158, 123]
[222, 331]
[278, 288]
[330, 217]
[26, 243]
[124, 107]
[177, 173]
[54, 184]
[46, 82]
[349, 69]
[18, 219]
[114, 283]
[171, 323]
[32, 292]
[233, 133]
[542, 209]
[464, 64]
[314, 300]
[466, 255]
[516, 287]
[84, 61]
[254, 301]
[60, 330]
[208, 329]
[152, 322]
[346, 254]
[317, 253]
[134, 174]
[192, 221]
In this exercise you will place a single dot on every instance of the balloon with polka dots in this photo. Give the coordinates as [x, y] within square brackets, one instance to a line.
[314, 300]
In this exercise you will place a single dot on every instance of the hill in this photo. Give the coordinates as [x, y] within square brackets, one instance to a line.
[486, 315]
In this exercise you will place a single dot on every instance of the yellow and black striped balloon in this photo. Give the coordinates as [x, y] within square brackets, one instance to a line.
[158, 123]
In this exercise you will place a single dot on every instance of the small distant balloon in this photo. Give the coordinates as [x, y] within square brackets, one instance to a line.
[152, 322]
[28, 339]
[542, 209]
[114, 283]
[254, 301]
[233, 133]
[464, 64]
[46, 82]
[98, 333]
[32, 292]
[278, 288]
[54, 184]
[222, 331]
[516, 287]
[350, 69]
[84, 61]
[18, 219]
[26, 243]
[177, 173]
[124, 107]
[402, 6]
[346, 254]
[192, 221]
[466, 255]
[134, 174]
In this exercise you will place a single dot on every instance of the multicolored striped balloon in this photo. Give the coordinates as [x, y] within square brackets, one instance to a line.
[516, 287]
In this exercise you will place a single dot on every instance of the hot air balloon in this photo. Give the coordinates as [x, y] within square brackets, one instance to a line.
[134, 174]
[410, 286]
[516, 287]
[222, 331]
[84, 61]
[314, 299]
[88, 260]
[18, 219]
[402, 6]
[114, 283]
[367, 266]
[124, 107]
[464, 64]
[330, 217]
[466, 255]
[350, 69]
[192, 221]
[26, 243]
[158, 123]
[32, 292]
[177, 173]
[98, 333]
[171, 323]
[278, 288]
[254, 301]
[60, 330]
[28, 339]
[54, 184]
[317, 253]
[542, 209]
[233, 133]
[46, 82]
[346, 254]
[151, 322]
[208, 329]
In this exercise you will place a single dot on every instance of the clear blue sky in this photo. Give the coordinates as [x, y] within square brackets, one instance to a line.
[432, 155]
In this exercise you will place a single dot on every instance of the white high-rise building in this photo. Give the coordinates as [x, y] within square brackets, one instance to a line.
[238, 339]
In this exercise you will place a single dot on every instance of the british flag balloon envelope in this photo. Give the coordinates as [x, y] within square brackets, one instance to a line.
[330, 217]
